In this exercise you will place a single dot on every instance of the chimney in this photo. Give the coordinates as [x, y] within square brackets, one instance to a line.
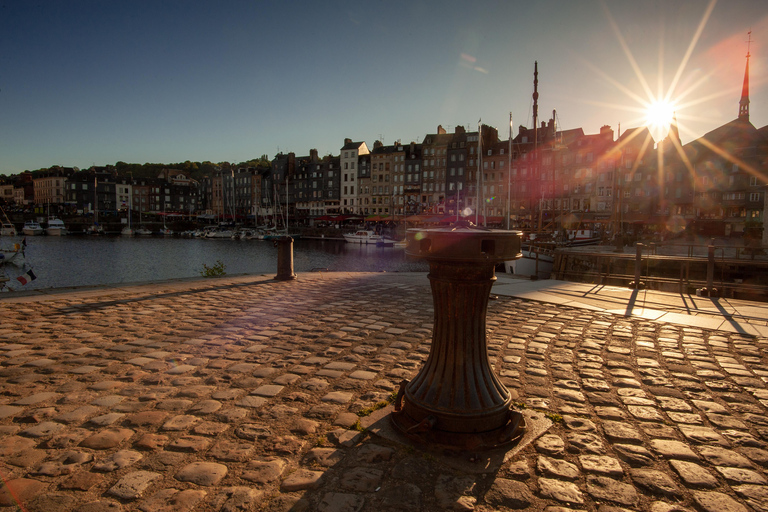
[606, 132]
[347, 141]
[459, 130]
[377, 144]
[440, 130]
[313, 155]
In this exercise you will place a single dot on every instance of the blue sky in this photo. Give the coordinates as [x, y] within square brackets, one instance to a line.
[96, 82]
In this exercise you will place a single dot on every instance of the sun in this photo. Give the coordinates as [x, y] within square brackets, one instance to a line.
[658, 117]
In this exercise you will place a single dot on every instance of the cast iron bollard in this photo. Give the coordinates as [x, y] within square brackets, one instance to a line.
[284, 246]
[456, 400]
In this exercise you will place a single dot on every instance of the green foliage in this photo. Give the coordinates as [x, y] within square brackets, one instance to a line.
[216, 270]
[554, 417]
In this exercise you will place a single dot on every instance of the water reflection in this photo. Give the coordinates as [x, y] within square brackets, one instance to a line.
[80, 261]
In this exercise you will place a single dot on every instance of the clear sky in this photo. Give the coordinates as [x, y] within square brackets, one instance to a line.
[96, 82]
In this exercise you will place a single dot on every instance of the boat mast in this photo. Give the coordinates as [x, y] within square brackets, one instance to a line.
[509, 174]
[536, 127]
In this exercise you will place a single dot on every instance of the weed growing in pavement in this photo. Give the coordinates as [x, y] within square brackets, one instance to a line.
[367, 411]
[359, 427]
[216, 270]
[554, 417]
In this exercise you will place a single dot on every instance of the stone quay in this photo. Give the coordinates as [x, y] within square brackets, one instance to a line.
[249, 393]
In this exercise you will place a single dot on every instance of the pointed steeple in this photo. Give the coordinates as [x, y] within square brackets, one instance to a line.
[744, 101]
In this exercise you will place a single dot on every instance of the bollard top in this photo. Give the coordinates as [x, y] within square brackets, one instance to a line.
[464, 242]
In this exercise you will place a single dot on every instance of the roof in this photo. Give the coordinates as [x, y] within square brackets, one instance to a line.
[732, 136]
[352, 145]
[438, 139]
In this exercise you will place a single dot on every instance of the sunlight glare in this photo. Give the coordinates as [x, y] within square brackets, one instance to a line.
[658, 118]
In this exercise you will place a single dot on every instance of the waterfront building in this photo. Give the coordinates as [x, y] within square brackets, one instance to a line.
[332, 185]
[382, 164]
[316, 177]
[364, 177]
[49, 186]
[412, 179]
[300, 188]
[349, 156]
[398, 180]
[456, 171]
[6, 192]
[434, 156]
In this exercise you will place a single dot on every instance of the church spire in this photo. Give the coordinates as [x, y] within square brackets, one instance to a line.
[674, 131]
[744, 101]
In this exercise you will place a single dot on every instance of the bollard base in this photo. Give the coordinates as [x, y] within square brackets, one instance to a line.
[286, 277]
[429, 432]
[486, 460]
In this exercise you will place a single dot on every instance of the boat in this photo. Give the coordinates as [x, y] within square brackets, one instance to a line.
[142, 231]
[537, 262]
[13, 264]
[388, 242]
[32, 228]
[94, 229]
[362, 236]
[220, 232]
[165, 231]
[277, 236]
[582, 237]
[56, 227]
[6, 226]
[128, 230]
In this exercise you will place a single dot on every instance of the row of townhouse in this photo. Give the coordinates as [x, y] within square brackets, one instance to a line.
[98, 188]
[540, 179]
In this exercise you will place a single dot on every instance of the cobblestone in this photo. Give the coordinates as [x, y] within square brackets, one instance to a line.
[243, 394]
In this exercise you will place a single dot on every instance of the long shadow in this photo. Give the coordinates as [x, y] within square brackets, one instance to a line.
[728, 316]
[149, 296]
[94, 306]
[631, 302]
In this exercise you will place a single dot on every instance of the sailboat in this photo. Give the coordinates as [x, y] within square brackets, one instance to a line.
[95, 229]
[128, 231]
[165, 231]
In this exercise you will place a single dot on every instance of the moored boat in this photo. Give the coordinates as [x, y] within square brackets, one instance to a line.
[32, 228]
[362, 236]
[56, 227]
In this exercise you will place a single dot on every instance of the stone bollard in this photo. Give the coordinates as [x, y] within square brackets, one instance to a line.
[284, 246]
[456, 400]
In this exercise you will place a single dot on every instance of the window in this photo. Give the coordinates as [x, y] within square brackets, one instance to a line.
[753, 181]
[754, 196]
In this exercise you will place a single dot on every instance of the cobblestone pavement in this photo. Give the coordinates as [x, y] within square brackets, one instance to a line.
[243, 393]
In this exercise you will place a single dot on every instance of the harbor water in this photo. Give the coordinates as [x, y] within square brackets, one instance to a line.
[67, 261]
